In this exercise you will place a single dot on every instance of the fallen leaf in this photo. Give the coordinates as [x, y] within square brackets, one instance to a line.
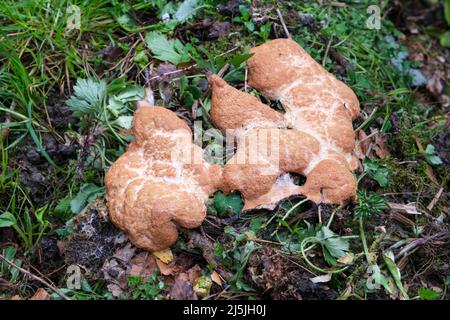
[346, 259]
[16, 297]
[165, 255]
[380, 147]
[125, 253]
[194, 273]
[40, 294]
[219, 29]
[167, 269]
[407, 208]
[321, 279]
[61, 244]
[143, 265]
[114, 289]
[182, 289]
[215, 277]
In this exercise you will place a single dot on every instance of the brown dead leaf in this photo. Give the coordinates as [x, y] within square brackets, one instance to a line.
[362, 145]
[182, 288]
[380, 147]
[143, 265]
[125, 253]
[219, 30]
[114, 289]
[215, 277]
[16, 297]
[168, 269]
[435, 84]
[61, 244]
[40, 294]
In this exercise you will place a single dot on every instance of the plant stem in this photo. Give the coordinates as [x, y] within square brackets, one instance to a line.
[364, 241]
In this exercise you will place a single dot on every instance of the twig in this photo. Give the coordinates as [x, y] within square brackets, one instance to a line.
[56, 290]
[327, 50]
[286, 31]
[375, 132]
[367, 120]
[435, 199]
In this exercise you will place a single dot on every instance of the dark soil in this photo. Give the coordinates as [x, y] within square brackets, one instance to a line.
[279, 279]
[94, 239]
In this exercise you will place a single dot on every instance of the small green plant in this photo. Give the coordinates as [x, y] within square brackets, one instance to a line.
[369, 203]
[6, 270]
[30, 227]
[428, 294]
[149, 289]
[104, 111]
[377, 172]
[431, 156]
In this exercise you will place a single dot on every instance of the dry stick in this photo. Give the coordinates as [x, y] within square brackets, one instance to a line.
[56, 290]
[327, 50]
[435, 199]
[288, 35]
[367, 120]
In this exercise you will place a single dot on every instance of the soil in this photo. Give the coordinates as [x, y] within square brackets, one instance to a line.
[279, 279]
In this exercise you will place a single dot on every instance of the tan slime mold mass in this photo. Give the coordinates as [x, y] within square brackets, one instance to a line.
[161, 181]
[315, 134]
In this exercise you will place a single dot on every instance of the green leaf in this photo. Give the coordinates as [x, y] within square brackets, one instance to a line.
[256, 224]
[447, 11]
[87, 193]
[62, 207]
[377, 172]
[380, 279]
[395, 272]
[186, 10]
[336, 245]
[444, 39]
[166, 50]
[231, 203]
[240, 58]
[7, 220]
[88, 96]
[430, 155]
[428, 294]
[125, 122]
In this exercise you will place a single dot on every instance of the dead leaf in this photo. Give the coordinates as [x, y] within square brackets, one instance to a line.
[215, 277]
[182, 289]
[406, 208]
[362, 145]
[380, 147]
[61, 244]
[16, 297]
[321, 279]
[143, 265]
[170, 269]
[219, 30]
[346, 259]
[125, 253]
[40, 294]
[165, 255]
[194, 273]
[114, 289]
[435, 84]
